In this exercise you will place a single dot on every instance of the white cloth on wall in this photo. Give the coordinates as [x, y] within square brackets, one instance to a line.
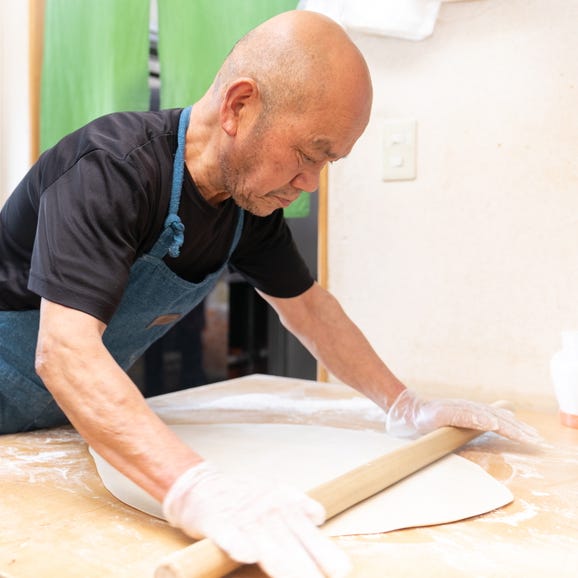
[408, 19]
[14, 96]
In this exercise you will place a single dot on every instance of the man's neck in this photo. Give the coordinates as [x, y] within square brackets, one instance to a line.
[201, 158]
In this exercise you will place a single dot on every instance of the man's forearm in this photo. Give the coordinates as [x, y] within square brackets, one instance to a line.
[104, 405]
[320, 323]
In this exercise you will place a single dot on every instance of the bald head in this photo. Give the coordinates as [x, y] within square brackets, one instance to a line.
[293, 94]
[300, 60]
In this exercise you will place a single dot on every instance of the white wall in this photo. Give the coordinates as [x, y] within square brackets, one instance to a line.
[464, 278]
[14, 95]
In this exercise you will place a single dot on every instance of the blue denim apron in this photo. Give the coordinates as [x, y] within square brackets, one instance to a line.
[154, 300]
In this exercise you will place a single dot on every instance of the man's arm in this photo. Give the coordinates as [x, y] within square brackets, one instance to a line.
[252, 520]
[318, 321]
[102, 402]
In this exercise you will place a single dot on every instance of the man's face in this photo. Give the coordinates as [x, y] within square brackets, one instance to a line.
[269, 168]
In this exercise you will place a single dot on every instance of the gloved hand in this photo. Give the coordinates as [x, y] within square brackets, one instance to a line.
[409, 415]
[255, 522]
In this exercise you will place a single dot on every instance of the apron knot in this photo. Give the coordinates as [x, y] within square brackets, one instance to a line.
[174, 222]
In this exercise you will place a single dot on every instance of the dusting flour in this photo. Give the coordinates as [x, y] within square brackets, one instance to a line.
[360, 407]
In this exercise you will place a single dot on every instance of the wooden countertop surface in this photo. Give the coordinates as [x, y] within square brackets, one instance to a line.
[58, 521]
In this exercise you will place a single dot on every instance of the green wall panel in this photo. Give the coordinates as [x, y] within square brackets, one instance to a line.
[95, 62]
[195, 36]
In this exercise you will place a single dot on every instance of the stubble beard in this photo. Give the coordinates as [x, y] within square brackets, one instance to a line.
[234, 176]
[234, 184]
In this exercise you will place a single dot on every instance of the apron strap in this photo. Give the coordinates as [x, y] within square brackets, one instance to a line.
[173, 234]
[173, 221]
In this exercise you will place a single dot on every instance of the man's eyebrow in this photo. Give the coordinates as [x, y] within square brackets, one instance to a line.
[324, 145]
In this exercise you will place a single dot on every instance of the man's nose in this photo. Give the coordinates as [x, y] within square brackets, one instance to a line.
[307, 181]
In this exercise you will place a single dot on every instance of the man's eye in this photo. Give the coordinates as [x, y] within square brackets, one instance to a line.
[306, 158]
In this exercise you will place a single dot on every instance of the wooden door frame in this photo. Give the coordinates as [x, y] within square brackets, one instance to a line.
[36, 44]
[322, 248]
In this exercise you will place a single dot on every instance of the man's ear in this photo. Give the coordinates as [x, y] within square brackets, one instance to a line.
[240, 105]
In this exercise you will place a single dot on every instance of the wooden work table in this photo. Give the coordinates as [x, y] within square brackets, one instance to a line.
[58, 521]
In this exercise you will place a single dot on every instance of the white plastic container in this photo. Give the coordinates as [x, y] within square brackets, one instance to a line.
[564, 371]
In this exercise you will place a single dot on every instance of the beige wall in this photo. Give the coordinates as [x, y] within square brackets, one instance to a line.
[464, 278]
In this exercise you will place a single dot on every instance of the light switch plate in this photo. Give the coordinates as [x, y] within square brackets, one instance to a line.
[399, 150]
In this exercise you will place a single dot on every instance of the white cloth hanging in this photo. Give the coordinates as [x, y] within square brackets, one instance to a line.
[408, 19]
[14, 96]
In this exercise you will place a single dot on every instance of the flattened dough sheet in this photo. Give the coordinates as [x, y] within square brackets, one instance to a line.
[305, 456]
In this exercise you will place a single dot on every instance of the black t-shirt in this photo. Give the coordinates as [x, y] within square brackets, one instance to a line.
[97, 201]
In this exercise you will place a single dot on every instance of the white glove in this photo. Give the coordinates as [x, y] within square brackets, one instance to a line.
[255, 522]
[409, 415]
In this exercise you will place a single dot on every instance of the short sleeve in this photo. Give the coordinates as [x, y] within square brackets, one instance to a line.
[268, 258]
[90, 223]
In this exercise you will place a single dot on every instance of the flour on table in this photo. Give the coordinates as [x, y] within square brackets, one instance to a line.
[306, 456]
[360, 408]
[268, 402]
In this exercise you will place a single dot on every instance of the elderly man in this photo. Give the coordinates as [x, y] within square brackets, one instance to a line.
[125, 225]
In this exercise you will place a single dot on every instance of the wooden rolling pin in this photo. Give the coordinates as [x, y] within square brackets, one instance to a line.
[204, 559]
